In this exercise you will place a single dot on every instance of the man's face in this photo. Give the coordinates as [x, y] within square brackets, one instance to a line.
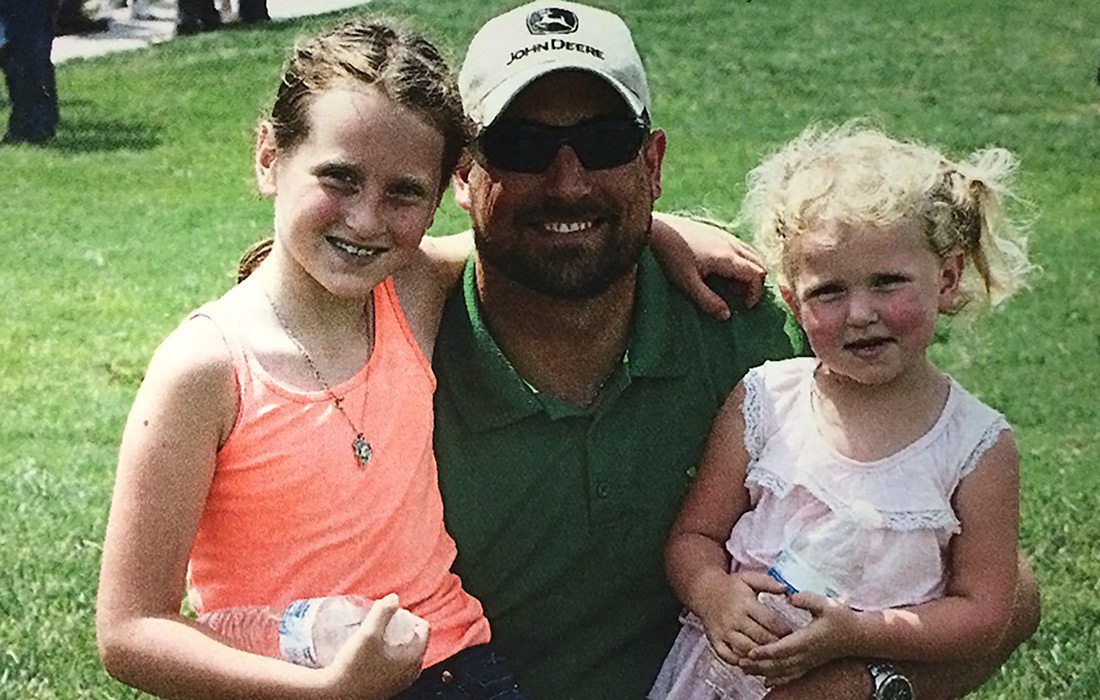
[568, 231]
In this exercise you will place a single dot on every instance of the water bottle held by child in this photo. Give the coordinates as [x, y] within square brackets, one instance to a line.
[308, 632]
[798, 571]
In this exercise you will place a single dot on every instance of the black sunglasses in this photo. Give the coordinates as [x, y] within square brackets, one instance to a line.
[527, 147]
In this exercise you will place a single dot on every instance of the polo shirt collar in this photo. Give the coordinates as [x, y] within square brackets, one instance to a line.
[493, 394]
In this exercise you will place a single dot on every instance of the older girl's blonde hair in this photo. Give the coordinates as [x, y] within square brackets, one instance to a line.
[854, 176]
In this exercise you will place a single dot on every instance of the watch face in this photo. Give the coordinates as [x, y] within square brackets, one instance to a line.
[896, 688]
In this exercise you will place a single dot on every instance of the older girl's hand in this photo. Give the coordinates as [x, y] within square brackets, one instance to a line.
[374, 665]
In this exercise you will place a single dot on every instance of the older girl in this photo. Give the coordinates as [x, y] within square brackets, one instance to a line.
[280, 445]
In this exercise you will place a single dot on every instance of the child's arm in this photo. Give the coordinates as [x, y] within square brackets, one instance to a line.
[183, 411]
[422, 285]
[447, 255]
[964, 624]
[695, 557]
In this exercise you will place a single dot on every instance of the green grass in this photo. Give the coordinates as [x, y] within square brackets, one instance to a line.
[138, 212]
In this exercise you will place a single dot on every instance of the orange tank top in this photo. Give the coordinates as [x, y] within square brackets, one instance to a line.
[291, 514]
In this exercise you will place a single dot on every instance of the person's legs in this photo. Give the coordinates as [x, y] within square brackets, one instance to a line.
[71, 18]
[139, 9]
[29, 72]
[196, 16]
[253, 11]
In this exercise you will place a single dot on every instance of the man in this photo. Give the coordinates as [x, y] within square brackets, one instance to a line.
[576, 387]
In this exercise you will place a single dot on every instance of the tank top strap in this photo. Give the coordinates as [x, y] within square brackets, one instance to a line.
[242, 366]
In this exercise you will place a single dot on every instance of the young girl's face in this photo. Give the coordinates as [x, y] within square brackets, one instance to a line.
[353, 200]
[868, 298]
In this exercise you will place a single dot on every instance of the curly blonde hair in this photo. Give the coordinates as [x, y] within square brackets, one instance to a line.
[855, 176]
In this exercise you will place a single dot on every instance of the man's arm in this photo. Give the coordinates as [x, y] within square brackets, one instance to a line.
[848, 679]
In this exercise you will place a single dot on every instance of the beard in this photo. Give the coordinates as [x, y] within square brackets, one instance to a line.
[581, 269]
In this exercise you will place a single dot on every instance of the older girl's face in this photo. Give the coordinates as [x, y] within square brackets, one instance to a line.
[868, 298]
[353, 200]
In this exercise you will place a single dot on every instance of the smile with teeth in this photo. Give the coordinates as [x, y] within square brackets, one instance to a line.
[568, 226]
[357, 251]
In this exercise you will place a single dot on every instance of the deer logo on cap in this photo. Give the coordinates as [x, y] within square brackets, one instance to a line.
[551, 20]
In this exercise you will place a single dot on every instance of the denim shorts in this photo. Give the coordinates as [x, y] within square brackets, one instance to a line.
[471, 674]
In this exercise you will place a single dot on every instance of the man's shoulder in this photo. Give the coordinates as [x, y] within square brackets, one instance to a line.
[767, 326]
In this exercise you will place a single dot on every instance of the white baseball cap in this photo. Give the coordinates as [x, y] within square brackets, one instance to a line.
[512, 50]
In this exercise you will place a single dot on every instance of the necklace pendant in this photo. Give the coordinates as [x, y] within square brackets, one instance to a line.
[362, 450]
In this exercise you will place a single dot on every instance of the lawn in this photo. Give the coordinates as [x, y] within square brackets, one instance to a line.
[139, 210]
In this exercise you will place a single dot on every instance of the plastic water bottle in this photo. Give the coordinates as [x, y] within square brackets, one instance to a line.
[308, 632]
[807, 565]
[798, 573]
[253, 628]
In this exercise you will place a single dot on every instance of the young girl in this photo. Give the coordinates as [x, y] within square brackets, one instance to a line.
[864, 476]
[280, 446]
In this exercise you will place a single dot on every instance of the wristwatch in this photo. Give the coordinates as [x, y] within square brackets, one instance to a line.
[888, 683]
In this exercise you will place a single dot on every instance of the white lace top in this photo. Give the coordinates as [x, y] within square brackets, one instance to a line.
[879, 529]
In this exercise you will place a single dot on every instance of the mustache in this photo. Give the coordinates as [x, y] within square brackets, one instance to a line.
[551, 211]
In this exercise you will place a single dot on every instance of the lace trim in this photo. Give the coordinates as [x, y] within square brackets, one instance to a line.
[753, 411]
[772, 482]
[870, 516]
[988, 439]
[912, 520]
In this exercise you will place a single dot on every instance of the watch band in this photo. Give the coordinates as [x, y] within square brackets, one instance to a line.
[888, 682]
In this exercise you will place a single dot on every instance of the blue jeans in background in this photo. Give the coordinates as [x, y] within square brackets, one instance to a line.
[28, 70]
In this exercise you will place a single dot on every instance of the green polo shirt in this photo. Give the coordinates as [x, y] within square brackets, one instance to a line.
[561, 513]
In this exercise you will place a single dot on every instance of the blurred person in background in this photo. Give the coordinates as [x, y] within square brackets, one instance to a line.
[26, 38]
[72, 18]
[202, 15]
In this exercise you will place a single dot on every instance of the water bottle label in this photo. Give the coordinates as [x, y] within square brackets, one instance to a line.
[797, 575]
[296, 633]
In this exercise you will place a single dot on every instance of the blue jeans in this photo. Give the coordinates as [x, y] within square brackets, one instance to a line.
[253, 10]
[25, 60]
[471, 674]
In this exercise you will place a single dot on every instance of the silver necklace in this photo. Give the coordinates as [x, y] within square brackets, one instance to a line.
[359, 446]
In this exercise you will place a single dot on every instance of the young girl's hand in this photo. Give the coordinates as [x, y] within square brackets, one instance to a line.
[734, 620]
[371, 667]
[833, 633]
